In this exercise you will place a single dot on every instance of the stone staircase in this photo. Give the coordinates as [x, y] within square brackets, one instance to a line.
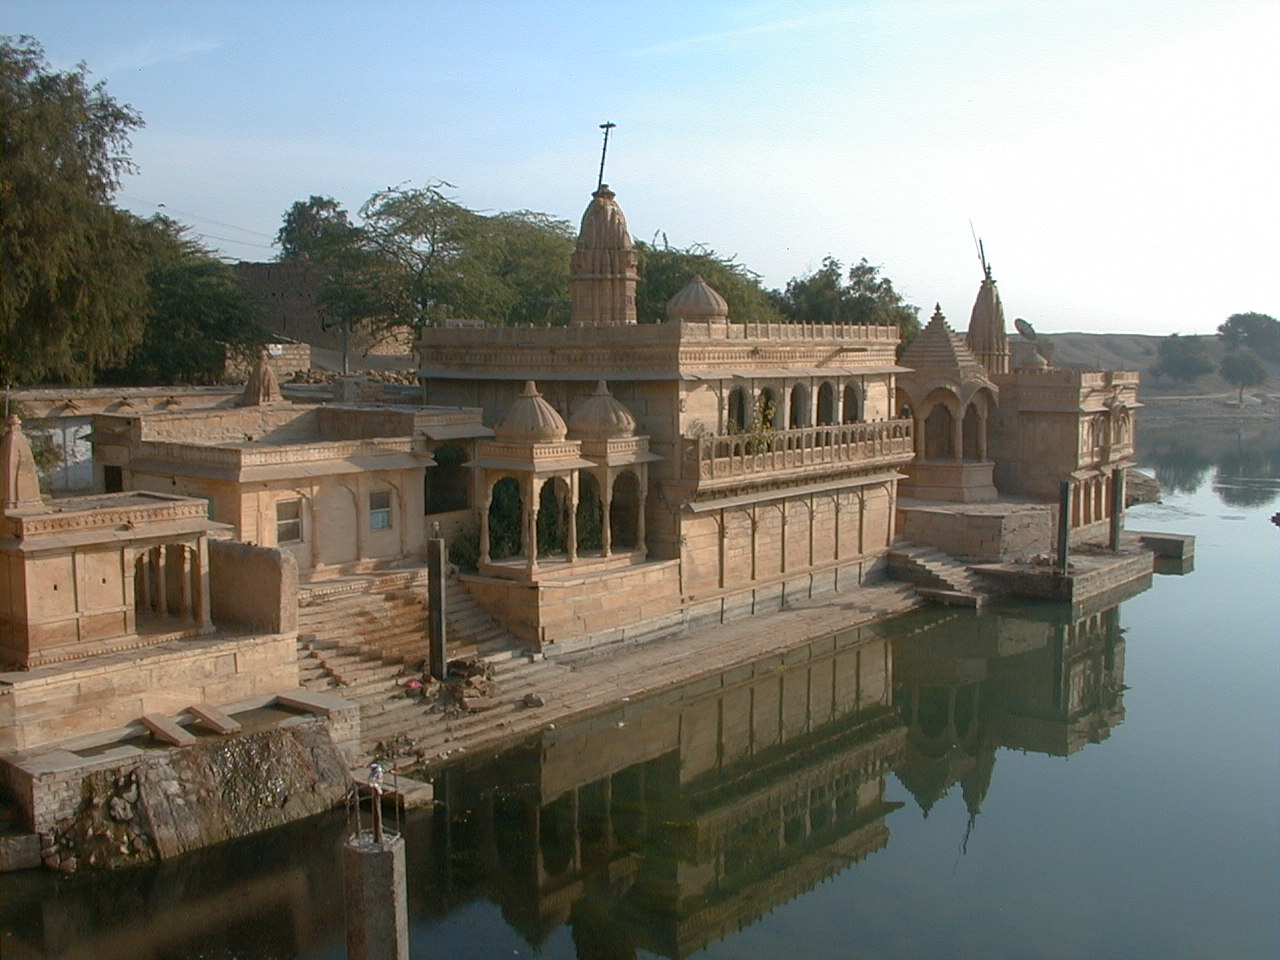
[361, 637]
[937, 575]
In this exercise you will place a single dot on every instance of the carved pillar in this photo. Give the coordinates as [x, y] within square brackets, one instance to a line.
[606, 502]
[529, 524]
[203, 612]
[641, 499]
[161, 599]
[957, 437]
[572, 545]
[486, 502]
[185, 574]
[982, 435]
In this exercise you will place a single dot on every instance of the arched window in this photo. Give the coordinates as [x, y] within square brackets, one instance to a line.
[739, 411]
[852, 408]
[800, 413]
[826, 404]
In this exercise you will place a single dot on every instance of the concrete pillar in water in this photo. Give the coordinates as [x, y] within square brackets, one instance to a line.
[435, 608]
[376, 902]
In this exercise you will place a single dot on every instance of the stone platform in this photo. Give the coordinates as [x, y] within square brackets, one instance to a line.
[987, 531]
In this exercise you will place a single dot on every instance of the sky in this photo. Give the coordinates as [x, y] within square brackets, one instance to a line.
[1118, 159]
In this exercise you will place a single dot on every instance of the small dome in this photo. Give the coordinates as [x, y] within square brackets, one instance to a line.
[697, 300]
[602, 417]
[530, 420]
[603, 225]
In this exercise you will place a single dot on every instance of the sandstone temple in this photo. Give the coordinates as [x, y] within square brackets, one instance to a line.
[602, 482]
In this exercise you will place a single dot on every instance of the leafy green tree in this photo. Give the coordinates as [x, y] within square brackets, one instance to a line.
[199, 315]
[1183, 358]
[1243, 369]
[75, 287]
[665, 270]
[317, 228]
[829, 295]
[1257, 331]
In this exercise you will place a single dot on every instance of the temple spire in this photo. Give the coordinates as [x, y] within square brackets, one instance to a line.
[986, 337]
[262, 386]
[603, 269]
[19, 481]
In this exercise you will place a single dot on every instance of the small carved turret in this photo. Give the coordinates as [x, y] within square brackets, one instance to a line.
[19, 481]
[262, 387]
[602, 270]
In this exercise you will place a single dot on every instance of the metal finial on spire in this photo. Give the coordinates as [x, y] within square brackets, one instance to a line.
[606, 127]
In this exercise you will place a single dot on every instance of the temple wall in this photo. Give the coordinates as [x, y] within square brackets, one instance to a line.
[49, 704]
[254, 587]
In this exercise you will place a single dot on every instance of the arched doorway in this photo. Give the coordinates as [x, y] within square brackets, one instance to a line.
[624, 512]
[938, 428]
[505, 513]
[590, 513]
[553, 518]
[769, 409]
[971, 432]
[446, 486]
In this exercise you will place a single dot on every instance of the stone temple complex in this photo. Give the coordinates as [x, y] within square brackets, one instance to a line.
[611, 481]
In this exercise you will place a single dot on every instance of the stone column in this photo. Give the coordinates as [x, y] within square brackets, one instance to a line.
[606, 501]
[529, 519]
[957, 437]
[185, 574]
[641, 499]
[202, 584]
[162, 581]
[572, 545]
[982, 435]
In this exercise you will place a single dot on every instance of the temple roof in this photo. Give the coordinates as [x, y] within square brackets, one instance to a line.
[697, 300]
[940, 347]
[603, 225]
[986, 336]
[531, 420]
[602, 417]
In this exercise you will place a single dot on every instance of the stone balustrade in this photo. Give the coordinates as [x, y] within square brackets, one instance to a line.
[262, 454]
[740, 455]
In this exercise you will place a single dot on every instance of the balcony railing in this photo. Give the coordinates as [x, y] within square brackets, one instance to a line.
[733, 456]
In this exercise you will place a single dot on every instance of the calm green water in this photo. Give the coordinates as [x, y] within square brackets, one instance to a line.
[1038, 782]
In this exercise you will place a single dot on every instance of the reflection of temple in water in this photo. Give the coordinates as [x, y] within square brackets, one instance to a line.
[669, 824]
[1041, 678]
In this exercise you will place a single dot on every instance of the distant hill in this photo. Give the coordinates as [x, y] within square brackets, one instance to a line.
[1136, 351]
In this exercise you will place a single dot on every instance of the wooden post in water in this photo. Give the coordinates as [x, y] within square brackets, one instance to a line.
[1064, 525]
[1117, 507]
[435, 608]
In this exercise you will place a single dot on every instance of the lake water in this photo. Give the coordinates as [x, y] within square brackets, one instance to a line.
[1037, 782]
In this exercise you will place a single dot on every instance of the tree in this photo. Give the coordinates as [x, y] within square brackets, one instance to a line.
[314, 229]
[1243, 369]
[665, 270]
[1257, 331]
[828, 295]
[75, 288]
[199, 314]
[1182, 358]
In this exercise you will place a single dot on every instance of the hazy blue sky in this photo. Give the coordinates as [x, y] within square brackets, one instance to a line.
[1118, 158]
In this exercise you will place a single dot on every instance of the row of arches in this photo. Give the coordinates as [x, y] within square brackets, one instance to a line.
[793, 409]
[945, 429]
[562, 516]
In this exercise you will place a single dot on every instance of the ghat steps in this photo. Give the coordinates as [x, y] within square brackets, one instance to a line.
[940, 575]
[362, 636]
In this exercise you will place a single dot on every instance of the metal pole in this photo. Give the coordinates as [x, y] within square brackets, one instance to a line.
[606, 127]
